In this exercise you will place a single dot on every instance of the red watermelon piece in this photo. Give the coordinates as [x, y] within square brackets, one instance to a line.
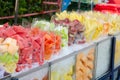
[2, 34]
[27, 52]
[25, 57]
[9, 32]
[6, 25]
[19, 29]
[36, 46]
[27, 42]
[2, 30]
[37, 53]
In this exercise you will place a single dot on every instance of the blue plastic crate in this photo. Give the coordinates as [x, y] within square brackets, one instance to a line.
[65, 4]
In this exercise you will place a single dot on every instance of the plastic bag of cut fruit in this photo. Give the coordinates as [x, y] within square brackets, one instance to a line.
[49, 44]
[49, 37]
[9, 54]
[79, 37]
[33, 53]
[85, 64]
[63, 31]
[94, 32]
[61, 28]
[37, 46]
[25, 52]
[43, 25]
[57, 43]
[76, 30]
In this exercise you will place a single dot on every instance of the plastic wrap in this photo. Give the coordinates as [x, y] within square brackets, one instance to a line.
[52, 38]
[43, 25]
[75, 29]
[63, 69]
[49, 45]
[20, 47]
[103, 56]
[63, 31]
[85, 64]
[34, 52]
[57, 43]
[37, 46]
[88, 26]
[9, 54]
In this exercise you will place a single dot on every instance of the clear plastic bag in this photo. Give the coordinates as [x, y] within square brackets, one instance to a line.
[63, 70]
[9, 54]
[85, 65]
[63, 31]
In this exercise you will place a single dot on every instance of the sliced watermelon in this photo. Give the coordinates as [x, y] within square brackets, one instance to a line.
[27, 55]
[9, 32]
[19, 29]
[6, 25]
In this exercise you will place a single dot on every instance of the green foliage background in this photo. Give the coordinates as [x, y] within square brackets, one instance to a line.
[25, 6]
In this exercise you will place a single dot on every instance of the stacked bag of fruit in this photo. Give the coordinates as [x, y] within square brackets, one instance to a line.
[96, 24]
[8, 50]
[75, 27]
[85, 65]
[55, 37]
[20, 47]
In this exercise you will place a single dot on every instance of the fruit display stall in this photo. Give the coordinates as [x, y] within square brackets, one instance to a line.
[66, 48]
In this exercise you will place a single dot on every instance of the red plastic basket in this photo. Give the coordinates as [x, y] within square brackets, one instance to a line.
[114, 1]
[112, 8]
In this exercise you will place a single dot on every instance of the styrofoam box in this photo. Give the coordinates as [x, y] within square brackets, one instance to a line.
[117, 52]
[103, 56]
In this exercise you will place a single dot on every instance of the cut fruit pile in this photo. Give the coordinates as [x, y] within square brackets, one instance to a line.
[58, 30]
[30, 47]
[75, 30]
[96, 24]
[9, 54]
[21, 47]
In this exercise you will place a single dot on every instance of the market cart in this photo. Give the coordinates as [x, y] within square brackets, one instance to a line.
[63, 48]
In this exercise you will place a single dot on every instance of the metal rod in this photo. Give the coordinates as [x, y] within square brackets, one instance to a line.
[60, 5]
[92, 4]
[50, 3]
[113, 46]
[118, 74]
[27, 15]
[16, 11]
[79, 4]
